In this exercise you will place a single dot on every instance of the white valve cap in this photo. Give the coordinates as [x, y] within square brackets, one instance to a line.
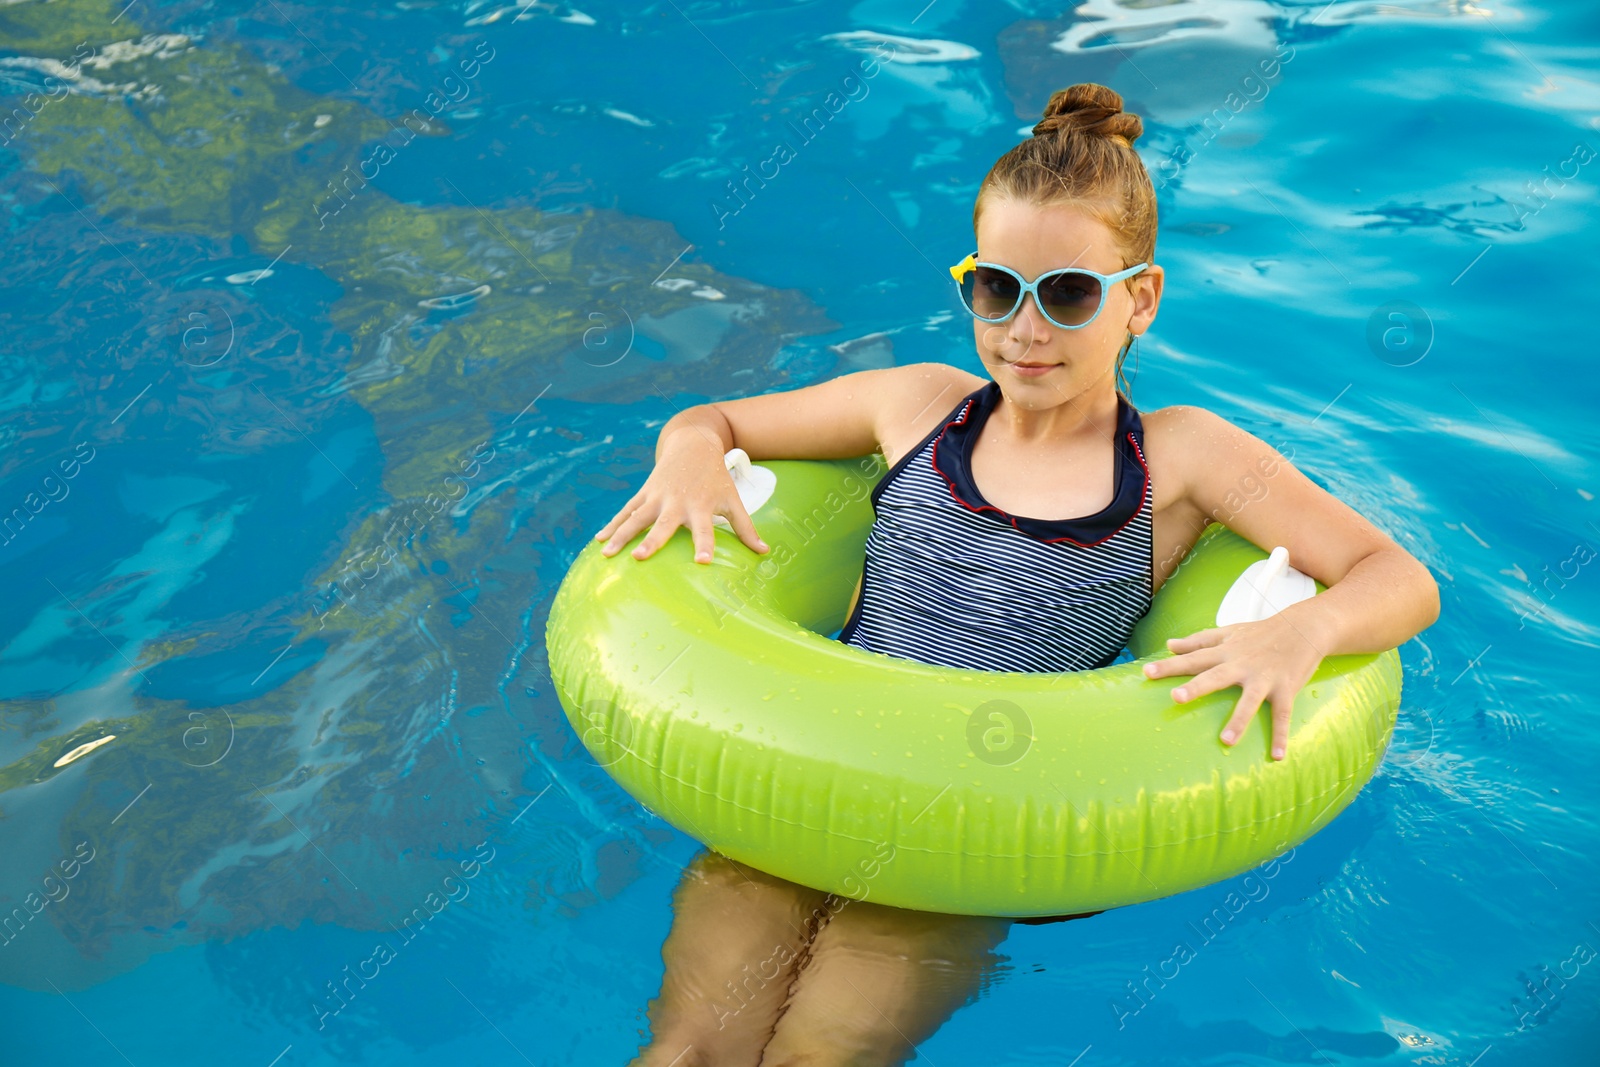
[755, 484]
[1265, 588]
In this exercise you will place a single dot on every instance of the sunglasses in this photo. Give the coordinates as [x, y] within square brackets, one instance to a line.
[1070, 298]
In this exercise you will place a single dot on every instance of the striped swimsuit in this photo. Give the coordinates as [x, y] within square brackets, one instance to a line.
[951, 579]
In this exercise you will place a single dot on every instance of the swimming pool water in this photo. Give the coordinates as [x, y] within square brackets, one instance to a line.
[333, 331]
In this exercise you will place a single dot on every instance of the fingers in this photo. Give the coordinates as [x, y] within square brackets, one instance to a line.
[1193, 654]
[1245, 710]
[1188, 663]
[704, 539]
[1218, 677]
[623, 512]
[616, 520]
[636, 520]
[742, 524]
[1252, 696]
[1280, 725]
[1201, 639]
[1225, 656]
[664, 527]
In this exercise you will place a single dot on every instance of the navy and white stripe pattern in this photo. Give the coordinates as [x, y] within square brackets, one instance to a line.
[950, 579]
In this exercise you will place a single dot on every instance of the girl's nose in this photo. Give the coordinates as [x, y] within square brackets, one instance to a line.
[1031, 314]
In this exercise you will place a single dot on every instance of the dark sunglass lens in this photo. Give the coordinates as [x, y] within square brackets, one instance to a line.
[1071, 298]
[990, 293]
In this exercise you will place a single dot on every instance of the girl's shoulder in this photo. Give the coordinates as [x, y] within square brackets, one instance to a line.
[964, 380]
[1191, 429]
[918, 397]
[1198, 453]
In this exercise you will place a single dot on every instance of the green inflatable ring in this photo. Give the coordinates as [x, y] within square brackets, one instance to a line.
[712, 695]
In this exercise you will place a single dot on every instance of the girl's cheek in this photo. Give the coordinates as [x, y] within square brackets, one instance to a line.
[983, 338]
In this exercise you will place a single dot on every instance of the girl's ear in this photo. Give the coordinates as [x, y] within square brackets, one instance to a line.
[1146, 311]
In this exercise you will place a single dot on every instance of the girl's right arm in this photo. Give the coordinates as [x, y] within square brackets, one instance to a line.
[841, 418]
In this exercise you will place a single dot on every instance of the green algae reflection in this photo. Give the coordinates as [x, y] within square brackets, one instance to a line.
[457, 318]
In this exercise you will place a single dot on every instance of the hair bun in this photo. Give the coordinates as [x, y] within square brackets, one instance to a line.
[1091, 109]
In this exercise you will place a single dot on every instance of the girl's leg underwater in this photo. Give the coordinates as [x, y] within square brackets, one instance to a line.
[738, 937]
[879, 982]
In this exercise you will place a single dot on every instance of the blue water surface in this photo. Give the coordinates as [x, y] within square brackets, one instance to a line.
[333, 331]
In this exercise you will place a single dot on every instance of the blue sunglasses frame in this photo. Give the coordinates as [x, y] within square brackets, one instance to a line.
[971, 263]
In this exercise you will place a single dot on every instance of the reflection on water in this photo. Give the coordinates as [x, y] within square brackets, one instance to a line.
[335, 333]
[421, 387]
[1109, 24]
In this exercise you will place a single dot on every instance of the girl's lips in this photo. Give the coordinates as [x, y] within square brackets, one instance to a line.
[1034, 370]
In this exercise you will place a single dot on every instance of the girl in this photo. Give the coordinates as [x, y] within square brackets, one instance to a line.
[1026, 527]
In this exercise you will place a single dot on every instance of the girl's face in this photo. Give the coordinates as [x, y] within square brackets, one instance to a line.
[1032, 239]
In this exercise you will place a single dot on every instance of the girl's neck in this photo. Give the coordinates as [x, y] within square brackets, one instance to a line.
[1058, 417]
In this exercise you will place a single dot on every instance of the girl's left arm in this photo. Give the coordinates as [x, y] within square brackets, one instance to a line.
[1378, 597]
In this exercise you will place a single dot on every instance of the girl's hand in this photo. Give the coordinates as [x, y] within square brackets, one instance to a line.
[1270, 660]
[688, 487]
